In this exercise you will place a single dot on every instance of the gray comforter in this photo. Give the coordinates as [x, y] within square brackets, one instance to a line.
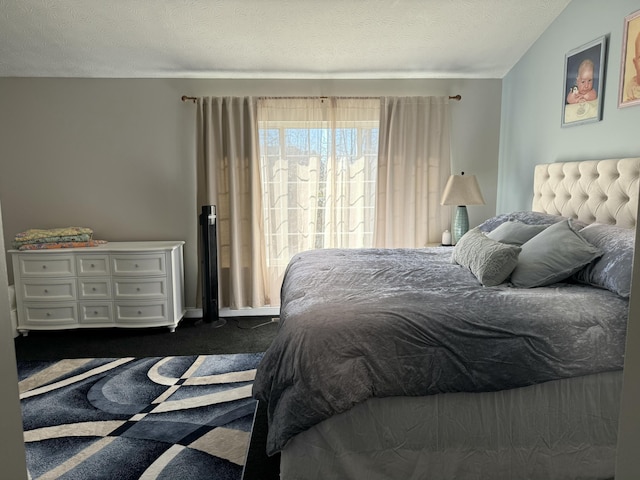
[356, 324]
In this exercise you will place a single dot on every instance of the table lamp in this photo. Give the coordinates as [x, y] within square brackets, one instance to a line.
[461, 190]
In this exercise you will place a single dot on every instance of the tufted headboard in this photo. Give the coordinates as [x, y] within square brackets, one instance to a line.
[602, 191]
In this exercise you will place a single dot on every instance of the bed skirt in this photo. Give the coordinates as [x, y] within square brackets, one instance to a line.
[562, 429]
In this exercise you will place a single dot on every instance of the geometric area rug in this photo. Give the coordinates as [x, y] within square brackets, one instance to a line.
[154, 418]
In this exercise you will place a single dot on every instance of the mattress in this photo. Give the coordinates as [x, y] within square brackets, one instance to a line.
[561, 429]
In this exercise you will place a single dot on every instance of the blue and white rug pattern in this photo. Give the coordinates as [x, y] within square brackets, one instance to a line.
[160, 418]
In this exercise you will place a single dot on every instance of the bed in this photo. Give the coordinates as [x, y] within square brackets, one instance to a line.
[498, 358]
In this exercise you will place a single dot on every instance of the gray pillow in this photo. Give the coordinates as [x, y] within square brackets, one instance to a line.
[490, 261]
[515, 233]
[553, 255]
[528, 217]
[613, 270]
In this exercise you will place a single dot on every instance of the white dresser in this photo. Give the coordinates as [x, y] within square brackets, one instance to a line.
[118, 284]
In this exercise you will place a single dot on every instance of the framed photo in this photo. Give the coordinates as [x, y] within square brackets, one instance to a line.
[629, 91]
[584, 83]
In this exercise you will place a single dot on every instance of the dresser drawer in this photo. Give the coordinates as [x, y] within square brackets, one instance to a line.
[43, 314]
[139, 288]
[96, 312]
[48, 290]
[118, 284]
[94, 288]
[46, 265]
[152, 264]
[93, 265]
[142, 313]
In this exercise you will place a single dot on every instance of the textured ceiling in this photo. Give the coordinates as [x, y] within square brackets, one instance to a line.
[269, 38]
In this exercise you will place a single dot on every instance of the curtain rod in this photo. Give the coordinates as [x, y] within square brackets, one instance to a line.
[186, 98]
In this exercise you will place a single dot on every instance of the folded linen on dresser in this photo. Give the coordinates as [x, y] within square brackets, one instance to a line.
[52, 235]
[51, 245]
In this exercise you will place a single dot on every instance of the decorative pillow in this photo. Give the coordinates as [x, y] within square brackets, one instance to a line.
[528, 217]
[613, 270]
[490, 261]
[552, 256]
[515, 233]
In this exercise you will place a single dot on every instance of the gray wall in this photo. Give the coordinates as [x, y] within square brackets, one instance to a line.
[117, 155]
[12, 453]
[532, 99]
[531, 133]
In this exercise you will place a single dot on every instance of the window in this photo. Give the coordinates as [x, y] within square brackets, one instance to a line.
[318, 167]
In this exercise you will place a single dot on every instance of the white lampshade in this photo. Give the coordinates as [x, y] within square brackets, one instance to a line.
[462, 190]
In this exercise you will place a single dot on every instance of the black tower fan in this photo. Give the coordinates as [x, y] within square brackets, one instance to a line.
[209, 266]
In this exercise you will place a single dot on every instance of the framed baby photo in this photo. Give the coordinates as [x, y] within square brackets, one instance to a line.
[629, 90]
[584, 83]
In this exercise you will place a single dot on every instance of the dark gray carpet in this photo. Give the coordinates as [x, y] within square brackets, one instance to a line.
[192, 337]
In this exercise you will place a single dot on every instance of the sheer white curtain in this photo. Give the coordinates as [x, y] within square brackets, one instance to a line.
[228, 176]
[413, 168]
[318, 160]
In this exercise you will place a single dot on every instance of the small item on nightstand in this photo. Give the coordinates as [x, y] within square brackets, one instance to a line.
[446, 238]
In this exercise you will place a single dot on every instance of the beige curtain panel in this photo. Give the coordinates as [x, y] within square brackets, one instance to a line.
[228, 176]
[413, 168]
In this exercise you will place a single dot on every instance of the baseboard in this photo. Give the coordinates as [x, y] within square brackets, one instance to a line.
[243, 312]
[193, 313]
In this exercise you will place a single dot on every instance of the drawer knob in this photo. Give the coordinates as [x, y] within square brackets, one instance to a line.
[139, 312]
[93, 266]
[95, 312]
[136, 265]
[138, 289]
[94, 289]
[46, 291]
[48, 314]
[44, 266]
